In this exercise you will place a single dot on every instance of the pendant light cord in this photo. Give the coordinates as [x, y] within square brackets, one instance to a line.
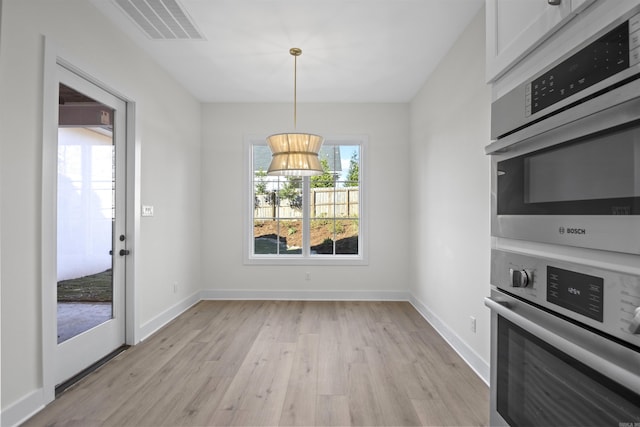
[295, 97]
[295, 52]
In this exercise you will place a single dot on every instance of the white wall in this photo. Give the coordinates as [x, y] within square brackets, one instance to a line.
[386, 158]
[1, 126]
[450, 215]
[168, 137]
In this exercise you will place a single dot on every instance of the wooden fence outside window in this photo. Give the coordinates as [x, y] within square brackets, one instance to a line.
[324, 203]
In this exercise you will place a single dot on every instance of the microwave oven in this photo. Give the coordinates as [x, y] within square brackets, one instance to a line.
[566, 155]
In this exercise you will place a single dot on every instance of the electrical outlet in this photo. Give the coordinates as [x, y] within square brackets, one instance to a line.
[175, 287]
[472, 324]
[307, 276]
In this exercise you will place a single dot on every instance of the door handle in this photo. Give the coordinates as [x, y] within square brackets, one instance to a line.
[124, 252]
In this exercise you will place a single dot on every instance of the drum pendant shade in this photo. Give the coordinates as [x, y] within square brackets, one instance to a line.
[295, 154]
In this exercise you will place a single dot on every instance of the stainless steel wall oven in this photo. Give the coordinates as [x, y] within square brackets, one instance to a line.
[565, 339]
[566, 162]
[565, 349]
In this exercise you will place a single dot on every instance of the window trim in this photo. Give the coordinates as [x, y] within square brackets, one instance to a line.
[305, 258]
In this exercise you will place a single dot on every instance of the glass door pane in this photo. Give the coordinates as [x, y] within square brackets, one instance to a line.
[86, 206]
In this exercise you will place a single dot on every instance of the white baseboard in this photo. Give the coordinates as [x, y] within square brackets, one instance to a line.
[475, 362]
[235, 294]
[167, 316]
[23, 409]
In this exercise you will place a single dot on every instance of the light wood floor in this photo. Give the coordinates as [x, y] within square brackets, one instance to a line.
[281, 363]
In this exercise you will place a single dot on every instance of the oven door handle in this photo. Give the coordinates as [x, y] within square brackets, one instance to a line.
[595, 362]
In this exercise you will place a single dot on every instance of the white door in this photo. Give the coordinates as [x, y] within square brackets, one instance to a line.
[91, 239]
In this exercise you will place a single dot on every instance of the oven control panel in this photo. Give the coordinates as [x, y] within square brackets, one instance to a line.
[609, 55]
[578, 292]
[606, 300]
[608, 60]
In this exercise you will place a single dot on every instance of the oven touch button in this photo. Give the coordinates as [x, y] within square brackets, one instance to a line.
[634, 328]
[521, 278]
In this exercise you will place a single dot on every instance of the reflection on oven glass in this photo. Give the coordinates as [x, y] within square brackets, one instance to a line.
[601, 168]
[539, 385]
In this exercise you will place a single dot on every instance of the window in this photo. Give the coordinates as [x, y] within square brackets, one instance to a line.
[307, 219]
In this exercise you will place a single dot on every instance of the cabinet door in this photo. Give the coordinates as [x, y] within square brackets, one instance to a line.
[516, 27]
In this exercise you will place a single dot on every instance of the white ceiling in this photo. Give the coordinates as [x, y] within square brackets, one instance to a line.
[353, 50]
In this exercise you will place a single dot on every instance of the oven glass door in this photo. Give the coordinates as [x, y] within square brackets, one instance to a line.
[539, 385]
[594, 175]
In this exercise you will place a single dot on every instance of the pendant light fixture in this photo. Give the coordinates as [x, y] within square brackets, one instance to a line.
[295, 154]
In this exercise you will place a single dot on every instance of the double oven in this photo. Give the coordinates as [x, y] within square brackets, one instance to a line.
[565, 264]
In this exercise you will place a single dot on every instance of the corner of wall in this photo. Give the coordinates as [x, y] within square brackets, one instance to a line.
[475, 362]
[450, 221]
[160, 320]
[23, 409]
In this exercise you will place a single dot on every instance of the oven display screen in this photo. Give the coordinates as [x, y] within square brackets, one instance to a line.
[577, 292]
[601, 59]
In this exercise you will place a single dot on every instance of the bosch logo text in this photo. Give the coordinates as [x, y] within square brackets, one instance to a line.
[563, 230]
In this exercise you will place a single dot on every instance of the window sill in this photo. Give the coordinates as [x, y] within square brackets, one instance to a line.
[298, 260]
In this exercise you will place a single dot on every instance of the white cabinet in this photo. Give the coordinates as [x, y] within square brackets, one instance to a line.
[579, 4]
[516, 27]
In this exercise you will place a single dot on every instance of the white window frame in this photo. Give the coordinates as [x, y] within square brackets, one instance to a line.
[305, 258]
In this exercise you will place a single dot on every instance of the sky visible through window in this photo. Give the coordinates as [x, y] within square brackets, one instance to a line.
[346, 152]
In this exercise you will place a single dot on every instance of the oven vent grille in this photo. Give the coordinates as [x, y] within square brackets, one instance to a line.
[161, 19]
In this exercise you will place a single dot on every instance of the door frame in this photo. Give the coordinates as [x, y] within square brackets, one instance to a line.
[54, 57]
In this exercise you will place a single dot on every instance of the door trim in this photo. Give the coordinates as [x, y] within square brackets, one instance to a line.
[54, 57]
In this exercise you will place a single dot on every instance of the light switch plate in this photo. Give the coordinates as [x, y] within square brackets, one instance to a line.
[147, 210]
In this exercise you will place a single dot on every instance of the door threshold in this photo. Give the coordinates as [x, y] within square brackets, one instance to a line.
[64, 386]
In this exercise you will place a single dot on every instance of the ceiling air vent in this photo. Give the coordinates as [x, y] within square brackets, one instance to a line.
[161, 19]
